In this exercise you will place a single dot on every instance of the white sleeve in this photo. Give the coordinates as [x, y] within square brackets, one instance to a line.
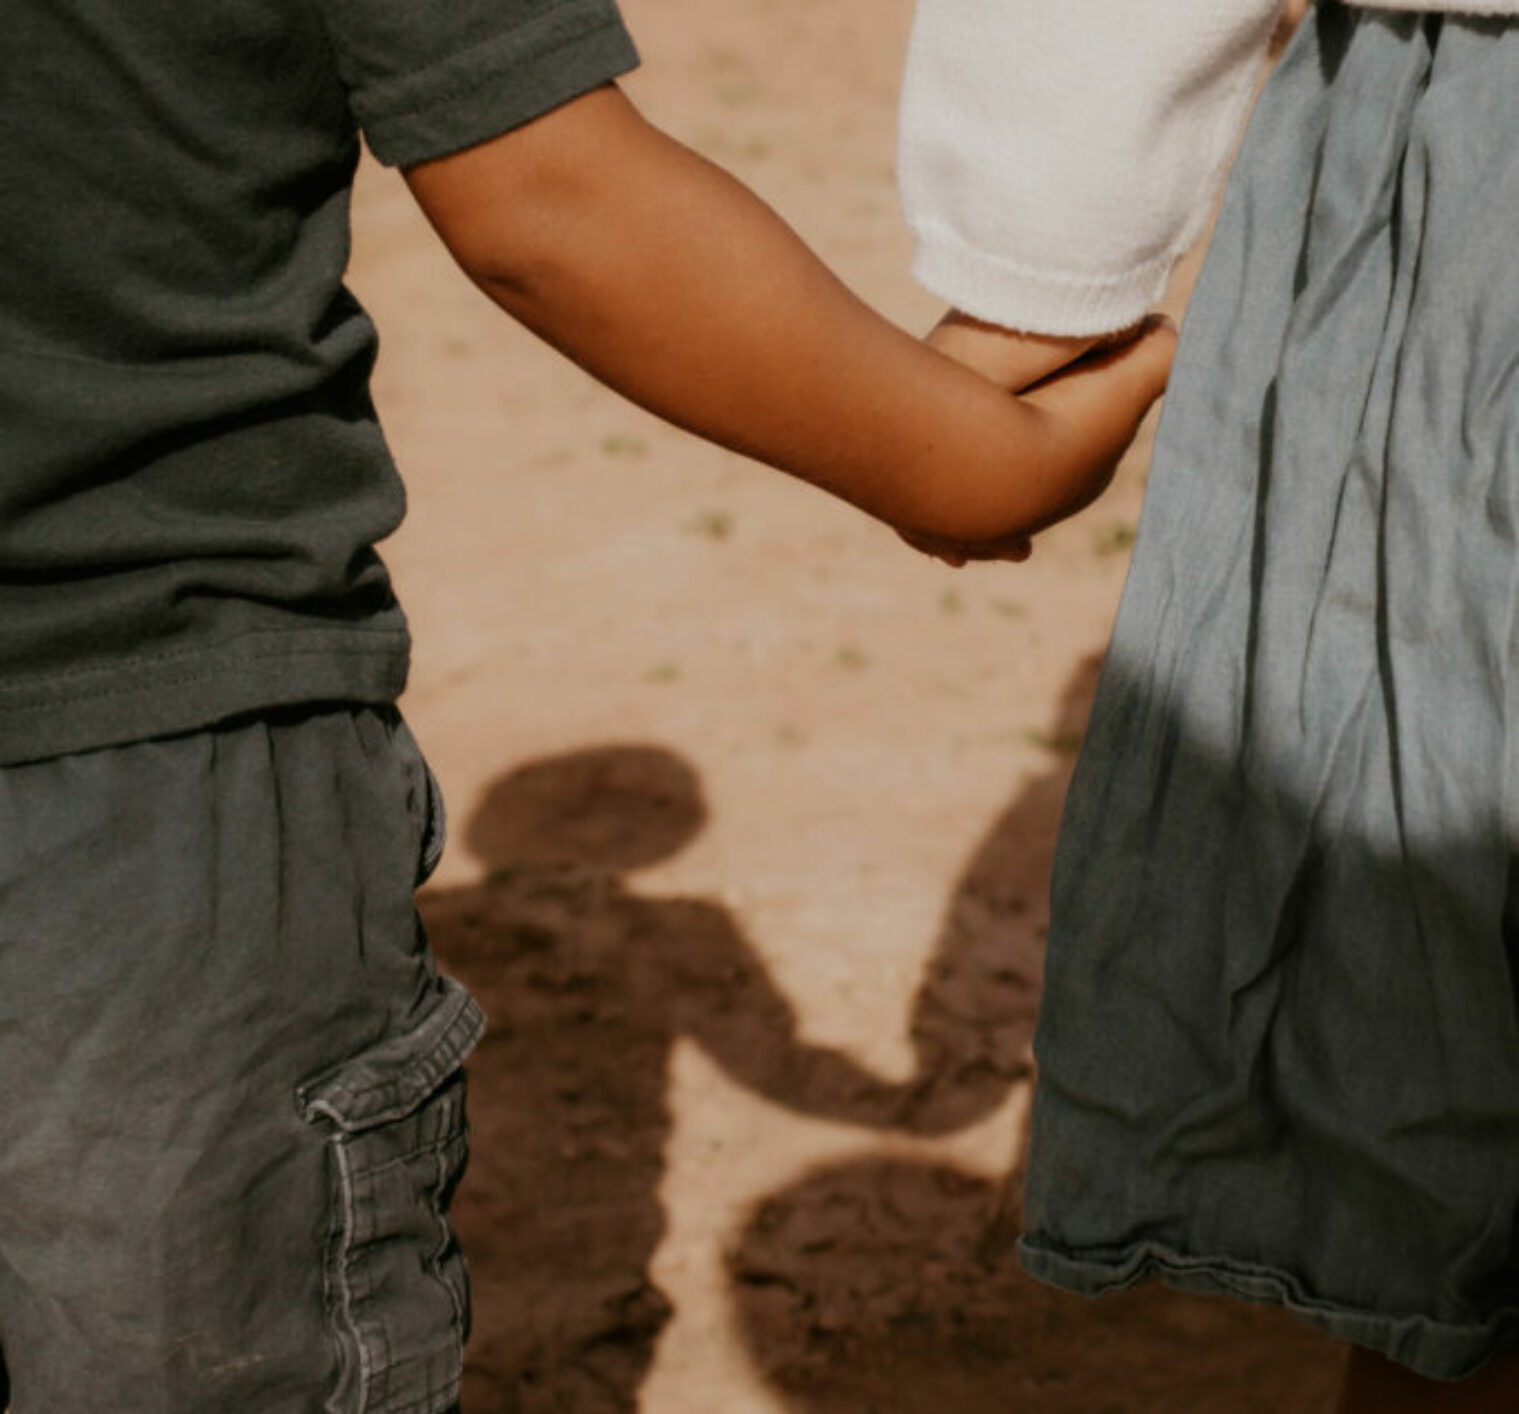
[1057, 157]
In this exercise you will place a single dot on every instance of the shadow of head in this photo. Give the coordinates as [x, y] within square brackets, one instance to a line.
[607, 808]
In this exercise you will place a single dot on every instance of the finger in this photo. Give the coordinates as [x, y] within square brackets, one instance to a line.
[955, 553]
[1016, 548]
[934, 548]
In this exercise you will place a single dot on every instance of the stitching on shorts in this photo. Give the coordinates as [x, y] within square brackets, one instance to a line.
[337, 1276]
[445, 1235]
[339, 1272]
[427, 1147]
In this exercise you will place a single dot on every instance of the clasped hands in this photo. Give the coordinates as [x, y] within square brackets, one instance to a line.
[1095, 390]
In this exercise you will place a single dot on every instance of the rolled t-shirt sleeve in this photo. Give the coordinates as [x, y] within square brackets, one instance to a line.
[1058, 156]
[429, 77]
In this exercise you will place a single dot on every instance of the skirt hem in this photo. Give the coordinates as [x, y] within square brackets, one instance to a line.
[1435, 1349]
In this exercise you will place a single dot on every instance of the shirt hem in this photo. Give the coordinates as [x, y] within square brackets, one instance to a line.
[1435, 1349]
[253, 672]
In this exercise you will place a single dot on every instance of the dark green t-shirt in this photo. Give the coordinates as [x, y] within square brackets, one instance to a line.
[192, 479]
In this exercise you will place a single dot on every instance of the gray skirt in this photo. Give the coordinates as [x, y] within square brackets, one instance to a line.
[1279, 1047]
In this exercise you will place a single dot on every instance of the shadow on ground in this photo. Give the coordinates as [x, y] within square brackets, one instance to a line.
[879, 1287]
[588, 986]
[888, 1287]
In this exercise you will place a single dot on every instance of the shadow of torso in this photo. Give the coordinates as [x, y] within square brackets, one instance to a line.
[560, 1213]
[587, 986]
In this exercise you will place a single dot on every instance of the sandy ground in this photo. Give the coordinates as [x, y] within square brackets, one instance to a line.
[752, 817]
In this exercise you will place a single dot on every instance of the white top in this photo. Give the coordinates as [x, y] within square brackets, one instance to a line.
[1059, 156]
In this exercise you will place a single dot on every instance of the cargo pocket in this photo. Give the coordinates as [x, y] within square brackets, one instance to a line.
[397, 1295]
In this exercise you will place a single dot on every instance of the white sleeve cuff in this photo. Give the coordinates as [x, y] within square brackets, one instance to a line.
[1057, 157]
[1000, 291]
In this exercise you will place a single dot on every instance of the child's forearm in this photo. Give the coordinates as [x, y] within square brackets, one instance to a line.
[671, 282]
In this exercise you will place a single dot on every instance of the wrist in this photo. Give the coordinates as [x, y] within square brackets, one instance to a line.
[1010, 358]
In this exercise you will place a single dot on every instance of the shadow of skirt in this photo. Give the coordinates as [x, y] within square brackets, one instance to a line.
[1279, 1049]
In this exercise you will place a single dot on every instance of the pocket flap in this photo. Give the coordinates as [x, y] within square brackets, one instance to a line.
[392, 1078]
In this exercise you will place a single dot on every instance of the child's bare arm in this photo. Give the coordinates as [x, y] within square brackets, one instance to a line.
[674, 284]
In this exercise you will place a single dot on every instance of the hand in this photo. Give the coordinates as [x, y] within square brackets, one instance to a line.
[1077, 378]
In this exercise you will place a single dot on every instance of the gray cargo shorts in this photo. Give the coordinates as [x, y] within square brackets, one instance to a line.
[231, 1101]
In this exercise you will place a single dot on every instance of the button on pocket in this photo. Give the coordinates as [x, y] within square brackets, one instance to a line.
[397, 1294]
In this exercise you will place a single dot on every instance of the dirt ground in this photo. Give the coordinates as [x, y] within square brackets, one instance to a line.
[752, 816]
